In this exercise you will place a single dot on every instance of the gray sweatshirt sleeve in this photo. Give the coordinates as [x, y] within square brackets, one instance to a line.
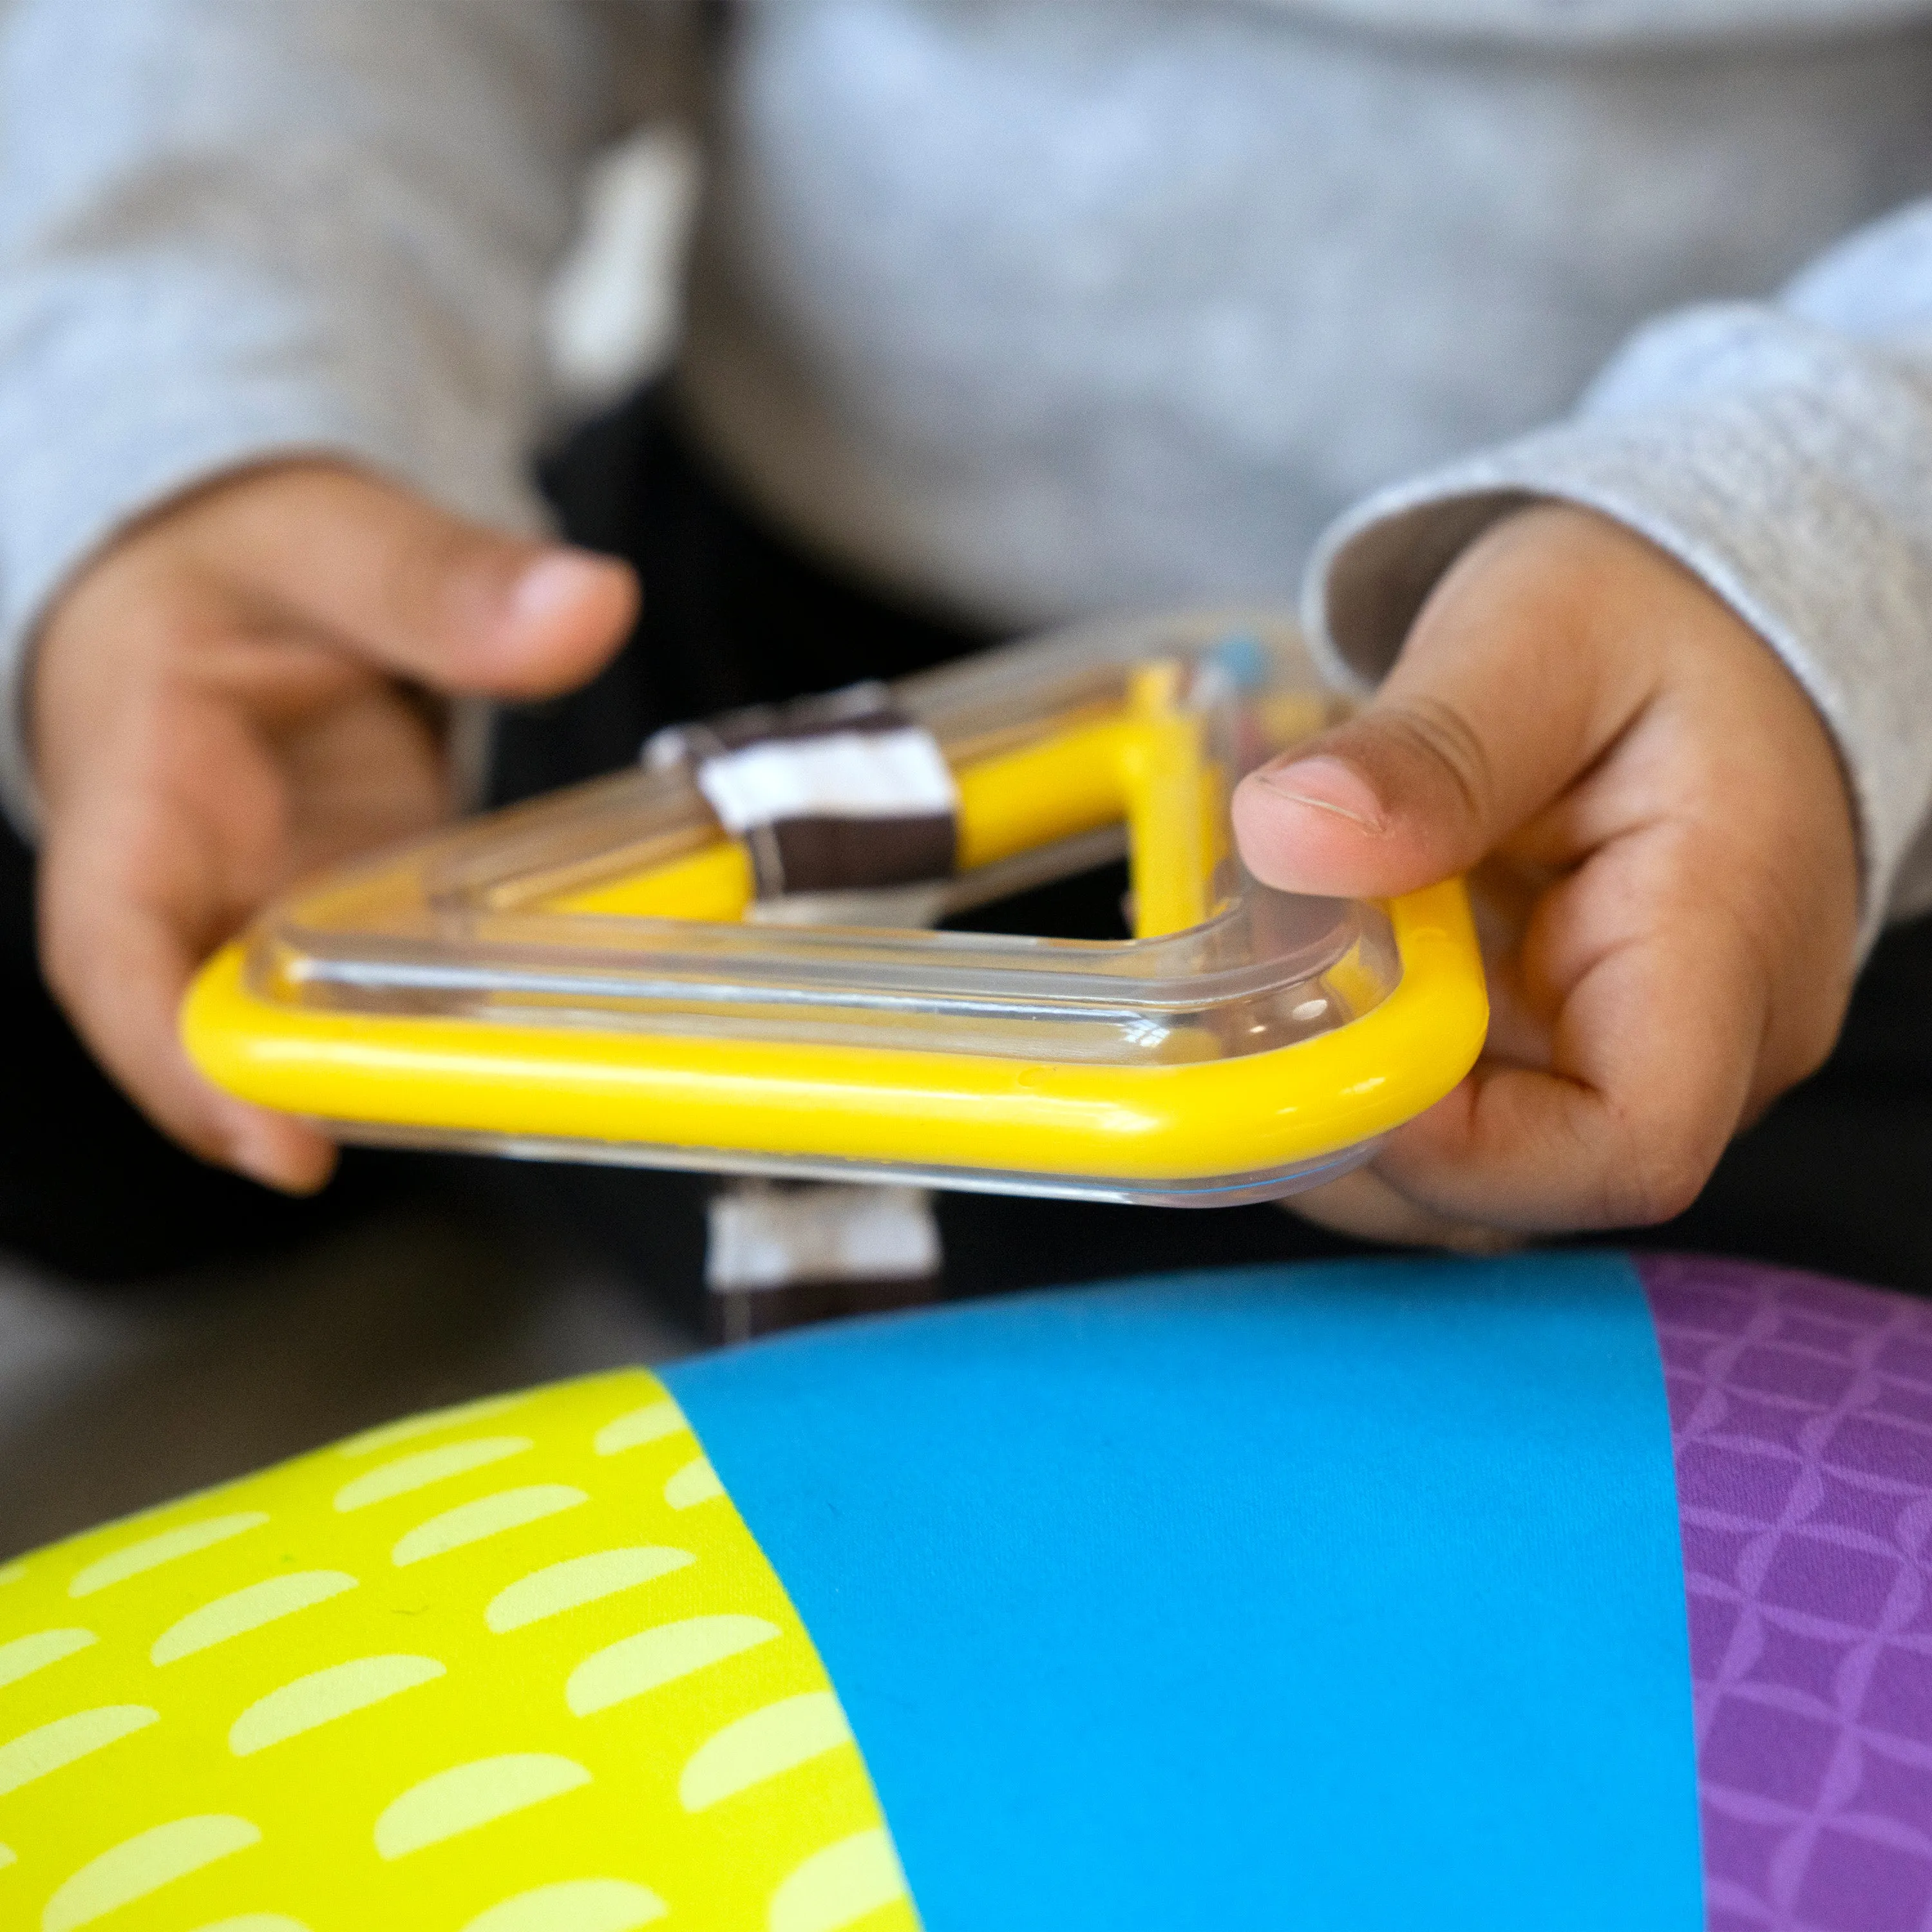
[1783, 452]
[233, 228]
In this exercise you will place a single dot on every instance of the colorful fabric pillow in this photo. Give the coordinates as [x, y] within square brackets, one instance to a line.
[1557, 1592]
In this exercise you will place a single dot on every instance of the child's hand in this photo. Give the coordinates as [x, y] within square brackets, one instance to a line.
[1654, 790]
[235, 693]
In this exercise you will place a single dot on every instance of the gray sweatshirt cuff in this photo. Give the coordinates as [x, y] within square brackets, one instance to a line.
[1779, 464]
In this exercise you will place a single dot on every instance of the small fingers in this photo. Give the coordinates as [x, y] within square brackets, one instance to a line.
[121, 978]
[1367, 1208]
[1580, 709]
[132, 897]
[1650, 1074]
[209, 711]
[453, 605]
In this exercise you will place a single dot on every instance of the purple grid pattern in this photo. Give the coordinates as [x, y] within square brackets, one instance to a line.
[1802, 1418]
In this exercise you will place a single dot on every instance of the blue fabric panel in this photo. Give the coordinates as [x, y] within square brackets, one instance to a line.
[1336, 1598]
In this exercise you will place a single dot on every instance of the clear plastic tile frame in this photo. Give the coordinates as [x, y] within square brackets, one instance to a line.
[594, 976]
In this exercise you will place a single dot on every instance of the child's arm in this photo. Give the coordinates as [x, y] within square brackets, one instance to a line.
[233, 233]
[1644, 742]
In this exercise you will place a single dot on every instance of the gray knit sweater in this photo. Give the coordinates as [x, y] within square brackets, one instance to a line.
[1037, 307]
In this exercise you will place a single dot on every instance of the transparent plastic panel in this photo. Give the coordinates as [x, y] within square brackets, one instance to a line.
[621, 910]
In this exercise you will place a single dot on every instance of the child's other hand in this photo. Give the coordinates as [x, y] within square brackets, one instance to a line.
[235, 693]
[1631, 765]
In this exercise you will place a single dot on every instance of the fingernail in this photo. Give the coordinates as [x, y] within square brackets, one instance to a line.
[1327, 785]
[557, 579]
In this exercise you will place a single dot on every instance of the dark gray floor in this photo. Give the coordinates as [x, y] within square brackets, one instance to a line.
[111, 1403]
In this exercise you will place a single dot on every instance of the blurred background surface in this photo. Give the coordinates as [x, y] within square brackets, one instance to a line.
[113, 1400]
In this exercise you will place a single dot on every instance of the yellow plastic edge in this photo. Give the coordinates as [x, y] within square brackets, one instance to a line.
[1073, 782]
[871, 1104]
[714, 884]
[1147, 764]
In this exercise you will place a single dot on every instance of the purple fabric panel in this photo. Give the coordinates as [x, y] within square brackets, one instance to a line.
[1802, 1418]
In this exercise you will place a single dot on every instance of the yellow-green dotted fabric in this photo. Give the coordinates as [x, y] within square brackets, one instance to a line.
[517, 1667]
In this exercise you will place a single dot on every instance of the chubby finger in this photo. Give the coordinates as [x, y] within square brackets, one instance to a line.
[120, 967]
[1367, 1208]
[1650, 1074]
[453, 605]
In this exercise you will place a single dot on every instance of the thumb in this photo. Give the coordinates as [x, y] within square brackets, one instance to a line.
[455, 605]
[1497, 703]
[1402, 796]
